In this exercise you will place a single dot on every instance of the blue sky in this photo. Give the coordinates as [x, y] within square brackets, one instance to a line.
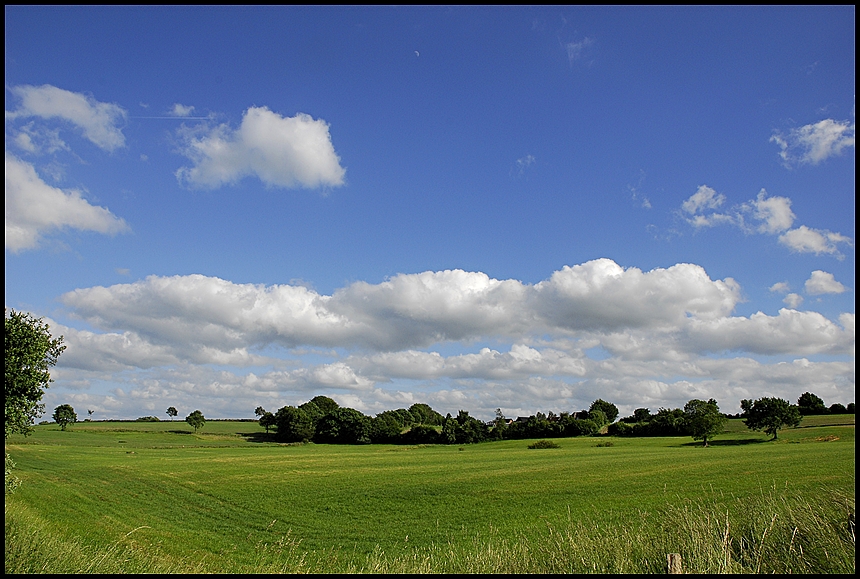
[524, 208]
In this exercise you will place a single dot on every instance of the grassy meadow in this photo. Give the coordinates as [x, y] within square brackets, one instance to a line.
[156, 497]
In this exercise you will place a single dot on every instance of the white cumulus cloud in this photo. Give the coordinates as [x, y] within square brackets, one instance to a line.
[34, 209]
[793, 300]
[280, 151]
[99, 122]
[806, 240]
[766, 215]
[821, 282]
[774, 213]
[815, 142]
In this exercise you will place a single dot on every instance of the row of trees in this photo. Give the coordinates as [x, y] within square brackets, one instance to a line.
[322, 420]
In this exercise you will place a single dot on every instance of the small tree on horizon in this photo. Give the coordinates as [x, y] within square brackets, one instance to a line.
[196, 420]
[809, 403]
[64, 415]
[172, 412]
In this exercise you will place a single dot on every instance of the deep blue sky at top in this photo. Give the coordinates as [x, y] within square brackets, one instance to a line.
[663, 99]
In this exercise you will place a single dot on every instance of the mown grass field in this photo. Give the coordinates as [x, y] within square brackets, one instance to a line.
[128, 496]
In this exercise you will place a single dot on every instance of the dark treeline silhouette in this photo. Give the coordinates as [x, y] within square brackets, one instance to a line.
[322, 420]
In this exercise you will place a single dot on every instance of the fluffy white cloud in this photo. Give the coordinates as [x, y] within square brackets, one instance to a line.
[100, 122]
[806, 240]
[772, 215]
[704, 198]
[180, 110]
[34, 209]
[280, 151]
[821, 282]
[790, 332]
[409, 310]
[815, 142]
[595, 330]
[793, 300]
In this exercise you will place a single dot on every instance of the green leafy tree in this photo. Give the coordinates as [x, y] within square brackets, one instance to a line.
[704, 419]
[343, 426]
[64, 415]
[172, 412]
[259, 411]
[30, 352]
[325, 404]
[425, 415]
[610, 411]
[449, 430]
[295, 424]
[769, 414]
[809, 403]
[385, 427]
[196, 420]
[500, 425]
[267, 421]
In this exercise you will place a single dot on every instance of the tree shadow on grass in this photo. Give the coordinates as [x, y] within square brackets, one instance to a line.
[258, 436]
[733, 442]
[181, 431]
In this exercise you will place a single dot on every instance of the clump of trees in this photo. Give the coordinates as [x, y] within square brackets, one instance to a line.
[322, 420]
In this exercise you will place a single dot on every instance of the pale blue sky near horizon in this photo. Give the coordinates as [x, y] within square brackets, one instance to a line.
[522, 208]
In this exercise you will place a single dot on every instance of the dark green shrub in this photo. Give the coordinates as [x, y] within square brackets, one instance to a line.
[544, 444]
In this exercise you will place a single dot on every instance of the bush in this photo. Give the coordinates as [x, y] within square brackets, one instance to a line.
[148, 419]
[544, 444]
[620, 429]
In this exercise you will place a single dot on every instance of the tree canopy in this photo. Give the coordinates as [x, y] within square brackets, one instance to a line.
[30, 352]
[196, 420]
[809, 403]
[770, 414]
[704, 419]
[64, 415]
[610, 411]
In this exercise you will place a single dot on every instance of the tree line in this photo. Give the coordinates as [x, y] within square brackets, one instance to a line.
[322, 420]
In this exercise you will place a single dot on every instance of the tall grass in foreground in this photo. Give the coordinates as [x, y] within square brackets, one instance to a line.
[771, 534]
[776, 532]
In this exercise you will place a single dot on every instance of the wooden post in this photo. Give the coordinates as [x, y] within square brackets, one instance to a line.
[675, 566]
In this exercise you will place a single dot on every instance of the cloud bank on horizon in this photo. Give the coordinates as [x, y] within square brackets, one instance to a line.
[195, 203]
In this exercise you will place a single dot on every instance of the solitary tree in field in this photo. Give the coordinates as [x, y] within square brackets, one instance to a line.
[172, 412]
[196, 420]
[704, 419]
[64, 415]
[769, 414]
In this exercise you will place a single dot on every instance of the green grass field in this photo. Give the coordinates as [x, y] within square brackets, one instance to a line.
[155, 497]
